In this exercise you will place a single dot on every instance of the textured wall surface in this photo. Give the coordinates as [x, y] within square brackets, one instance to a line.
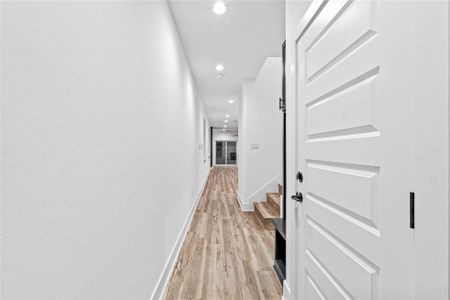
[101, 147]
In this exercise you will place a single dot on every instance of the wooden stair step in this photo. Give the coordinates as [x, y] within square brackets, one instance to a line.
[266, 211]
[274, 199]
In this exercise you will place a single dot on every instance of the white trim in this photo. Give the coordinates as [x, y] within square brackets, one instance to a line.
[270, 186]
[244, 206]
[164, 278]
[286, 291]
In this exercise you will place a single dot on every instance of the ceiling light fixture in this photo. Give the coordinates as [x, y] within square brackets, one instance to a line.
[220, 68]
[225, 126]
[219, 8]
[220, 75]
[226, 121]
[227, 116]
[231, 101]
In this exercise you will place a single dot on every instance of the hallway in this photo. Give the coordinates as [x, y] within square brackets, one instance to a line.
[225, 149]
[226, 254]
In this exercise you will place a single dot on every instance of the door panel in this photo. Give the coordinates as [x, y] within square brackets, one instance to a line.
[352, 108]
[326, 283]
[220, 153]
[231, 153]
[345, 31]
[351, 189]
[353, 96]
[312, 290]
[352, 270]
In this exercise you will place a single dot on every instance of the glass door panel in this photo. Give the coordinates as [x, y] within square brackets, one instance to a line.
[220, 153]
[231, 153]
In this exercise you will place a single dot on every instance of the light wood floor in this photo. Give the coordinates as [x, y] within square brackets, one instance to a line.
[227, 254]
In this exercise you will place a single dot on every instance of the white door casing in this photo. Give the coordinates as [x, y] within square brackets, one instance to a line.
[354, 100]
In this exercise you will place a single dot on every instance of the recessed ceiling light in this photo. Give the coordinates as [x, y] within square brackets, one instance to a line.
[231, 101]
[220, 75]
[226, 121]
[227, 116]
[225, 126]
[220, 67]
[219, 8]
[223, 129]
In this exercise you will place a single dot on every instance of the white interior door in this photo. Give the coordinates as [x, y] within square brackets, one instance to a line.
[354, 101]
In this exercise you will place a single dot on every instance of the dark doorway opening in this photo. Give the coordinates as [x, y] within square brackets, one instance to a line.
[280, 224]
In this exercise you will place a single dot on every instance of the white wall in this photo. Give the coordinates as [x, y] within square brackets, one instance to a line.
[220, 135]
[101, 147]
[241, 142]
[260, 124]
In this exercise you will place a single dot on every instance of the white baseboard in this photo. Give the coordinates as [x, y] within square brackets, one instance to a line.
[164, 278]
[270, 186]
[286, 291]
[244, 206]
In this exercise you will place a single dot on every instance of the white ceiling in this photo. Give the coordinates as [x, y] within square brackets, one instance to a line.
[240, 39]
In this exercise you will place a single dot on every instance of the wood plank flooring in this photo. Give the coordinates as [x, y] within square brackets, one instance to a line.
[227, 254]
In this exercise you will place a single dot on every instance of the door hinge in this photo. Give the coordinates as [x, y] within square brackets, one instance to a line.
[282, 104]
[411, 210]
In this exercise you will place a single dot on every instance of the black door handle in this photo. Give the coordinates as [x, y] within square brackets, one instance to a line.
[297, 197]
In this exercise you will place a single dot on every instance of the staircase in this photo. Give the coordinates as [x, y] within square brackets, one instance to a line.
[269, 209]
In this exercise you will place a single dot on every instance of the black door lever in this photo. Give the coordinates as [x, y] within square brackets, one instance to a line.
[297, 197]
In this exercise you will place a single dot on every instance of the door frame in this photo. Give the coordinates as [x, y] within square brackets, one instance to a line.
[211, 147]
[431, 164]
[292, 24]
[431, 175]
[283, 109]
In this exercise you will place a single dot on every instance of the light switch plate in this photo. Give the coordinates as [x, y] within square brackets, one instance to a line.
[254, 146]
